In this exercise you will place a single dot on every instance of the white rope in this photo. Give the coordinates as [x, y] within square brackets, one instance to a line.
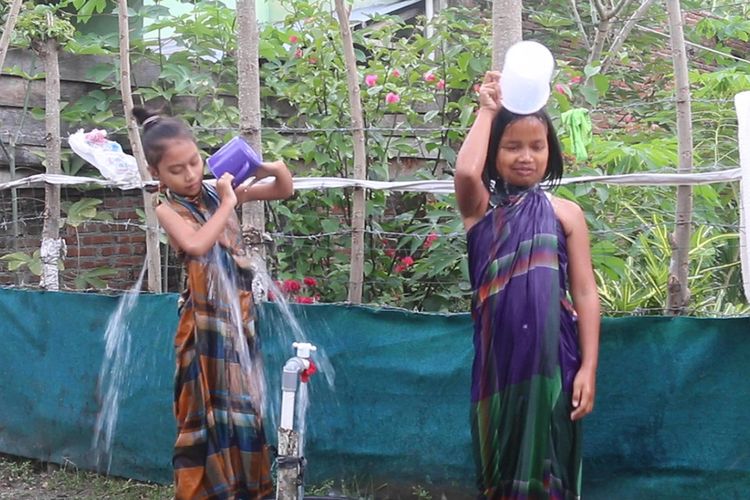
[424, 186]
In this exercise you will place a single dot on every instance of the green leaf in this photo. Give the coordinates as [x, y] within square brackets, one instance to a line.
[590, 71]
[101, 72]
[466, 115]
[601, 82]
[329, 225]
[591, 94]
[37, 114]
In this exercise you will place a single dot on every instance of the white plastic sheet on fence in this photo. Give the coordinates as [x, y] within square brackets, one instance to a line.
[427, 186]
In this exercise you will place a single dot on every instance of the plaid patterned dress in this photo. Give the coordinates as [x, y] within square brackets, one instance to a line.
[220, 452]
[526, 353]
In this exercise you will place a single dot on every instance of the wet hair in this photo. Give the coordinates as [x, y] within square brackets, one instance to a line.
[157, 130]
[502, 120]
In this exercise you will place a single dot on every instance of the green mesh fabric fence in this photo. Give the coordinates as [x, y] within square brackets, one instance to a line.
[671, 418]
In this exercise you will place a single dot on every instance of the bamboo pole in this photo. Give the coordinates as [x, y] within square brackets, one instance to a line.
[152, 228]
[10, 25]
[248, 79]
[356, 273]
[52, 244]
[678, 294]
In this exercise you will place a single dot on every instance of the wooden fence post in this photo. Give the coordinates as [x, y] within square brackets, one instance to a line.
[10, 24]
[52, 244]
[742, 105]
[678, 294]
[356, 273]
[152, 226]
[248, 80]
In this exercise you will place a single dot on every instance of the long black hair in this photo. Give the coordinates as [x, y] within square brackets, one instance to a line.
[157, 130]
[502, 120]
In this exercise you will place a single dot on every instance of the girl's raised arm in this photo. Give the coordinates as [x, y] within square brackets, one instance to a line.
[471, 193]
[185, 236]
[280, 189]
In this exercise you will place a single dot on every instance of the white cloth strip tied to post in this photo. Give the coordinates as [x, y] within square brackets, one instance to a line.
[742, 105]
[423, 186]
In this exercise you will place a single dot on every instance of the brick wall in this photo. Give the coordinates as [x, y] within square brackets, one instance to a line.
[119, 244]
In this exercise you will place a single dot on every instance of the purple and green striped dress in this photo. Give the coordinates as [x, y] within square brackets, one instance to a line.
[526, 353]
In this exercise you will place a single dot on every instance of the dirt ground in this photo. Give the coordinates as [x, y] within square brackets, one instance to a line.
[27, 479]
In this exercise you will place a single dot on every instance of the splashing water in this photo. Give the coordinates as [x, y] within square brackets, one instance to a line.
[303, 401]
[223, 291]
[292, 325]
[117, 338]
[290, 330]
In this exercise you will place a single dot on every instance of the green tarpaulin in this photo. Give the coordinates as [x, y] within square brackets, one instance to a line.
[671, 416]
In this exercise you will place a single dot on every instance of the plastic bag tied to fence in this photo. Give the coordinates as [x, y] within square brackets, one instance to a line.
[106, 155]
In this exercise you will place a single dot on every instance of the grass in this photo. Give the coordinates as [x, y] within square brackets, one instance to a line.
[27, 479]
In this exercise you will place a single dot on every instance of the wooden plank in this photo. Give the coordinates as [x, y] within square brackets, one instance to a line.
[31, 132]
[76, 67]
[14, 91]
[28, 160]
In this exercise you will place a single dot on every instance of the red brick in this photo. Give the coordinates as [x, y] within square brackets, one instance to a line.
[95, 239]
[83, 251]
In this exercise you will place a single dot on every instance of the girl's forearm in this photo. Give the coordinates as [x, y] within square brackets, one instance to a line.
[473, 152]
[588, 331]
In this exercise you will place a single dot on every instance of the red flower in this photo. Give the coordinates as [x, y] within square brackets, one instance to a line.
[430, 240]
[390, 252]
[440, 85]
[407, 261]
[310, 281]
[293, 39]
[398, 268]
[576, 79]
[298, 53]
[305, 300]
[291, 286]
[271, 296]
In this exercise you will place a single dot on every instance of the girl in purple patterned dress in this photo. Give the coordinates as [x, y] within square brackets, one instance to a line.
[535, 305]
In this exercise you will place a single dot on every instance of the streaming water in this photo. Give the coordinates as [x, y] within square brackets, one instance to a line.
[287, 329]
[112, 375]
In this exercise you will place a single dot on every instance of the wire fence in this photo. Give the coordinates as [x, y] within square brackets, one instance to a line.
[412, 259]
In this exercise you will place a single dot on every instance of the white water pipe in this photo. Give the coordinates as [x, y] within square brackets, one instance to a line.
[293, 367]
[290, 460]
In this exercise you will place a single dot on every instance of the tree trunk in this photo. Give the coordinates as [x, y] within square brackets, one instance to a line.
[10, 24]
[52, 244]
[149, 199]
[624, 32]
[506, 29]
[678, 292]
[356, 274]
[248, 77]
[604, 24]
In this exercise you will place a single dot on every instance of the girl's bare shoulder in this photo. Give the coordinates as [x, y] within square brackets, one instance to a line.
[569, 213]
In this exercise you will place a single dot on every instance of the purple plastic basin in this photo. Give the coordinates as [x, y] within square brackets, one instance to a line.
[235, 157]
